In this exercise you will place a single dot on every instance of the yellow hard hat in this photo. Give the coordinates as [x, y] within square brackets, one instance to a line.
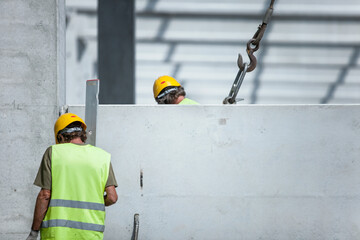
[66, 119]
[163, 82]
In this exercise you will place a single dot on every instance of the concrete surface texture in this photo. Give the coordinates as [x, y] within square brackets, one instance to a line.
[233, 172]
[32, 77]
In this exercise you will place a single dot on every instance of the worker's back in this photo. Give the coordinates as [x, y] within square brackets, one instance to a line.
[79, 174]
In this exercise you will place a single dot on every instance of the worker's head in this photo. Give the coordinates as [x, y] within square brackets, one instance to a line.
[167, 90]
[69, 126]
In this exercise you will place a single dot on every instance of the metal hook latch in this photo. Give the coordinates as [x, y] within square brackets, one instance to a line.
[252, 46]
[231, 99]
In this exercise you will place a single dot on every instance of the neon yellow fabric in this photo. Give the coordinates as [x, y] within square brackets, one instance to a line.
[79, 175]
[187, 101]
[79, 215]
[69, 233]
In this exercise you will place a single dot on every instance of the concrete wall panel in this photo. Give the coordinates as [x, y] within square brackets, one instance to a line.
[32, 74]
[234, 172]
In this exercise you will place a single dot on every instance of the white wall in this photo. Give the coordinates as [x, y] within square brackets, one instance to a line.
[234, 172]
[32, 83]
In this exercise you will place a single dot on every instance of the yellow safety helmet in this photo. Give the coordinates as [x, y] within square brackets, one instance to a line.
[163, 82]
[64, 120]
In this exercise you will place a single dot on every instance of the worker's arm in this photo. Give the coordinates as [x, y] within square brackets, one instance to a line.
[111, 196]
[41, 206]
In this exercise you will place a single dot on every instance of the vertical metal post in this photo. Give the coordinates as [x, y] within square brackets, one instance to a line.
[135, 234]
[91, 105]
[116, 51]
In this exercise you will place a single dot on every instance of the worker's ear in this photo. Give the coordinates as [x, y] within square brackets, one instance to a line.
[60, 138]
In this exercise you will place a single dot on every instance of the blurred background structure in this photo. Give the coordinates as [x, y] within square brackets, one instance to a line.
[309, 54]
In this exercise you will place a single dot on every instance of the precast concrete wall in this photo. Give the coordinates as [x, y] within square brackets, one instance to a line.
[233, 172]
[32, 63]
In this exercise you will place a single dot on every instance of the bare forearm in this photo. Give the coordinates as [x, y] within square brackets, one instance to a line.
[107, 201]
[41, 206]
[111, 196]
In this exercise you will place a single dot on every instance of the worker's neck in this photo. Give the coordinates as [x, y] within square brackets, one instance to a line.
[77, 141]
[179, 99]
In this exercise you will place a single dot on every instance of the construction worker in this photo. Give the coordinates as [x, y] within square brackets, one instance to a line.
[168, 91]
[73, 177]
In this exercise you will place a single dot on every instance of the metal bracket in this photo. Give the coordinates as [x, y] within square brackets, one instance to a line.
[136, 227]
[91, 105]
[63, 109]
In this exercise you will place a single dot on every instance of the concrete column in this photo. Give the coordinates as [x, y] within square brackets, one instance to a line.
[116, 51]
[32, 60]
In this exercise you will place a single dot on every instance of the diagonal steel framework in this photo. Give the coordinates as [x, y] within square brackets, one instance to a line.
[342, 76]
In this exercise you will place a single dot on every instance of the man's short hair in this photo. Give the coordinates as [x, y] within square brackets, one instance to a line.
[72, 131]
[171, 96]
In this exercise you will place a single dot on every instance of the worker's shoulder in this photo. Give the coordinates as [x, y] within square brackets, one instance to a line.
[94, 148]
[67, 146]
[187, 101]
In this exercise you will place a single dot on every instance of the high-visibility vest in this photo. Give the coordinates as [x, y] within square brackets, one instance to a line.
[187, 101]
[76, 209]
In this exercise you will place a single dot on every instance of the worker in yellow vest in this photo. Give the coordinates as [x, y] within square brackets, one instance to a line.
[168, 91]
[73, 177]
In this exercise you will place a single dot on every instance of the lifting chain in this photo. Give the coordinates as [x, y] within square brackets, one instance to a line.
[252, 46]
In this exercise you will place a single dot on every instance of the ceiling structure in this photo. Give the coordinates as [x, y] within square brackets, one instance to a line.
[310, 52]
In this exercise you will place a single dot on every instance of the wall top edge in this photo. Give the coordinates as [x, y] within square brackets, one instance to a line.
[221, 105]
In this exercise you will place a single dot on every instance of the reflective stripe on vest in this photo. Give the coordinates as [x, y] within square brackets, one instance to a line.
[72, 224]
[76, 204]
[77, 208]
